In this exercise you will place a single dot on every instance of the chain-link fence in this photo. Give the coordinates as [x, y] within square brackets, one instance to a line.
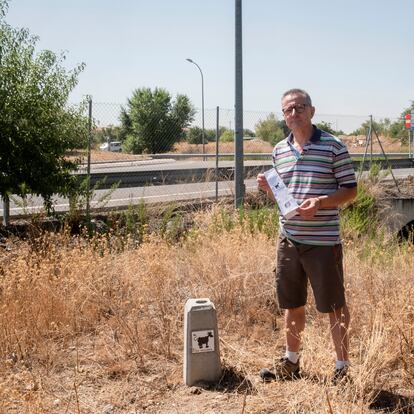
[158, 157]
[262, 129]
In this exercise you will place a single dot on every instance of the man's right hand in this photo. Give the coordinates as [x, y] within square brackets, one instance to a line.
[262, 183]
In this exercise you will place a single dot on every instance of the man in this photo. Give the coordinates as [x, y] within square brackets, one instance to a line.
[318, 171]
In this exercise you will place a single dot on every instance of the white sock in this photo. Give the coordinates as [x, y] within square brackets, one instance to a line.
[342, 364]
[292, 356]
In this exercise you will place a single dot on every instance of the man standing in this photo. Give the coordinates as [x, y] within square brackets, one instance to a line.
[318, 171]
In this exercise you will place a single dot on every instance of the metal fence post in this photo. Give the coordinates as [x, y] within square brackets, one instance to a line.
[6, 210]
[238, 160]
[217, 149]
[412, 145]
[88, 171]
[370, 128]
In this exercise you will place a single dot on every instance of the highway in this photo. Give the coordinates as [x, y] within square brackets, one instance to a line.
[123, 197]
[170, 171]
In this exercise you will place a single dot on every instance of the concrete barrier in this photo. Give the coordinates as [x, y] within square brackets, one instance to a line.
[201, 342]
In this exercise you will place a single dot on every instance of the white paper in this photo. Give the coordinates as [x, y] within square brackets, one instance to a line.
[287, 204]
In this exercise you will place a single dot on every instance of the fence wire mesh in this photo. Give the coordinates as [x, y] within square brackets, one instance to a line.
[158, 159]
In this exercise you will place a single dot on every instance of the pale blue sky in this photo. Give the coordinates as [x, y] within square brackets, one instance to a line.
[353, 56]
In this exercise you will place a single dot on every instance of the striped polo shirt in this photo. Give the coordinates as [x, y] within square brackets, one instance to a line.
[323, 166]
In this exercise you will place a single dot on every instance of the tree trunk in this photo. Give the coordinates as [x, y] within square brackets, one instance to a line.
[6, 210]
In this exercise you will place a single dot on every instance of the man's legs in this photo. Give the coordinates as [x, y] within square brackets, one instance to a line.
[339, 320]
[323, 264]
[291, 287]
[295, 324]
[288, 366]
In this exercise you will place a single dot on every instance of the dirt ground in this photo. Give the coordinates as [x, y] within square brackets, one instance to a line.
[388, 189]
[106, 156]
[357, 144]
[96, 373]
[86, 381]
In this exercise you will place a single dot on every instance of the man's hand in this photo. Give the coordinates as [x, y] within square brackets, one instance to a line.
[262, 183]
[341, 196]
[309, 207]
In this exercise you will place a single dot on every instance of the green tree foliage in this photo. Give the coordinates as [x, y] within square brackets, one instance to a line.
[327, 127]
[382, 127]
[37, 127]
[407, 110]
[227, 136]
[248, 133]
[194, 135]
[387, 128]
[271, 129]
[152, 122]
[397, 129]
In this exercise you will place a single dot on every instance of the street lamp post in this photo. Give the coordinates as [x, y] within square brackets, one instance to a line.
[202, 103]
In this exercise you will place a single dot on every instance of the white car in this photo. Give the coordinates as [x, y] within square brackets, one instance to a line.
[115, 146]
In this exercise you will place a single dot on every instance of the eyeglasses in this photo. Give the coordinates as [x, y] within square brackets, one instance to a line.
[299, 108]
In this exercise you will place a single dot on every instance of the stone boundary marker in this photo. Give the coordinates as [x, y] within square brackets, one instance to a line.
[201, 342]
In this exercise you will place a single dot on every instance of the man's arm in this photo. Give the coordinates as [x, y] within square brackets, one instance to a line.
[310, 206]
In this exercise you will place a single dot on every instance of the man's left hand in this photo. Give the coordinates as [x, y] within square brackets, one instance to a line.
[309, 207]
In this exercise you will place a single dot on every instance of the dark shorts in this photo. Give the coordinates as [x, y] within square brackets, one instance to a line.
[322, 265]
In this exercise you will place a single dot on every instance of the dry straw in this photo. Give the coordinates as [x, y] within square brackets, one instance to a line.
[86, 324]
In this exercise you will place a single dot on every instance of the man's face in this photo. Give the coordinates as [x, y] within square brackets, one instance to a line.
[297, 113]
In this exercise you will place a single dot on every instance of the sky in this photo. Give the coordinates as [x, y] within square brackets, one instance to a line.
[353, 57]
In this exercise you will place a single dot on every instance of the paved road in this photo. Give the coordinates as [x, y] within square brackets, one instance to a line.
[165, 164]
[169, 171]
[152, 194]
[400, 173]
[172, 164]
[127, 196]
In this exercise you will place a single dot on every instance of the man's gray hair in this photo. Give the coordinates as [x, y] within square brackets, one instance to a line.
[297, 91]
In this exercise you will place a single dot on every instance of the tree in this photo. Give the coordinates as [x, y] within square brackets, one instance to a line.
[270, 130]
[397, 129]
[227, 136]
[37, 127]
[152, 122]
[382, 127]
[195, 135]
[326, 126]
[248, 133]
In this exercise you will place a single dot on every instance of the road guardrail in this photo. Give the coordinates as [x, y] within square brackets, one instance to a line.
[170, 175]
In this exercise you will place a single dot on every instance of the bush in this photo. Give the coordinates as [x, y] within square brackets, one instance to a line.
[227, 136]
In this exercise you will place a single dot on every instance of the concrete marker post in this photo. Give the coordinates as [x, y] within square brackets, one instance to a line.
[201, 342]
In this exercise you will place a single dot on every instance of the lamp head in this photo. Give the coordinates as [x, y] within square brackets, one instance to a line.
[190, 60]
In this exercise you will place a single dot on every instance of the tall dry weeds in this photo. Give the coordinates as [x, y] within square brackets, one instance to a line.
[92, 316]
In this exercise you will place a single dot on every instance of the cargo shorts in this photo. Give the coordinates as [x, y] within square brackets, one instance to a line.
[321, 265]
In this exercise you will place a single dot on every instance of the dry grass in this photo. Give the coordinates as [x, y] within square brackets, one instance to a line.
[88, 327]
[389, 145]
[98, 156]
[258, 146]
